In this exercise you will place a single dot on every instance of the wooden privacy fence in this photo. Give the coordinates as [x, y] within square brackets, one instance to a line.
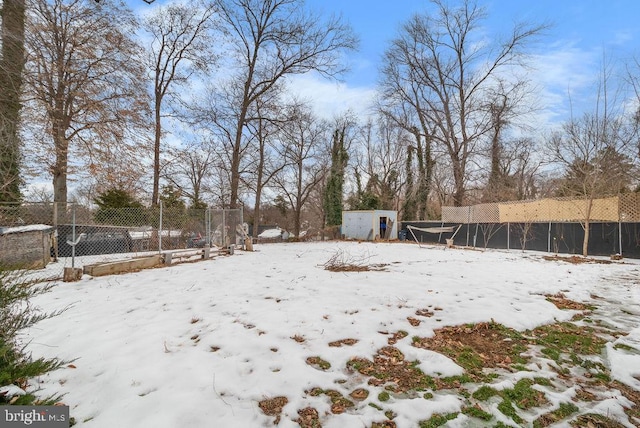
[624, 208]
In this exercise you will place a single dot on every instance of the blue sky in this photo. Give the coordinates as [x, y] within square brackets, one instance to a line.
[587, 25]
[567, 60]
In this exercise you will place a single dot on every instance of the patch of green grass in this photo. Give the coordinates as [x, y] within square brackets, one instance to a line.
[570, 338]
[625, 347]
[358, 364]
[520, 368]
[319, 363]
[316, 392]
[469, 359]
[484, 393]
[593, 365]
[438, 420]
[337, 398]
[552, 353]
[455, 381]
[565, 410]
[542, 381]
[523, 395]
[384, 396]
[604, 377]
[476, 412]
[390, 415]
[507, 409]
[427, 396]
[375, 406]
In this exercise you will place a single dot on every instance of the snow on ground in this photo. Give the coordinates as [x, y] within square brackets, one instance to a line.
[200, 344]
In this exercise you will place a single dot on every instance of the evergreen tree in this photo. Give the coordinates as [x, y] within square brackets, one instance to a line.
[172, 198]
[334, 190]
[117, 207]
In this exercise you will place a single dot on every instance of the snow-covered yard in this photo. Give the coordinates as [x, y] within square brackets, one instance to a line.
[272, 336]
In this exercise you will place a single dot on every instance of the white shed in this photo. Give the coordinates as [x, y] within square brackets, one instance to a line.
[370, 225]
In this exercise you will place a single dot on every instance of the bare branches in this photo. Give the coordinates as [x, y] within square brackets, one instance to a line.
[83, 77]
[443, 73]
[181, 46]
[271, 40]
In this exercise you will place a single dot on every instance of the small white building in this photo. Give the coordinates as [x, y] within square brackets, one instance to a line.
[370, 225]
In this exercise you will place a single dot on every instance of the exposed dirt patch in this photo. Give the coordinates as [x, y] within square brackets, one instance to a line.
[424, 313]
[390, 368]
[298, 338]
[399, 335]
[356, 268]
[592, 420]
[273, 407]
[576, 260]
[631, 395]
[561, 302]
[414, 321]
[359, 394]
[309, 418]
[341, 342]
[385, 424]
[477, 346]
[318, 363]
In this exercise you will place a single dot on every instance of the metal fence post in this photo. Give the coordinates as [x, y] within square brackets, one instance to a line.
[508, 236]
[73, 236]
[224, 229]
[549, 239]
[620, 237]
[160, 230]
[207, 226]
[468, 223]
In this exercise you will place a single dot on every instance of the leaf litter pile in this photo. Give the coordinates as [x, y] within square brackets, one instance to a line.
[547, 360]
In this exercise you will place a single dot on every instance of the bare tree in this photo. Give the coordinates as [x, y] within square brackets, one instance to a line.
[181, 45]
[270, 158]
[304, 171]
[507, 102]
[445, 74]
[190, 169]
[402, 102]
[83, 78]
[272, 39]
[382, 160]
[596, 150]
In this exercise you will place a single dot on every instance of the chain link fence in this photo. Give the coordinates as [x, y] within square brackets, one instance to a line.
[47, 237]
[552, 225]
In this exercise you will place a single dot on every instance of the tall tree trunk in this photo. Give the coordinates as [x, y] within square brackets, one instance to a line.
[409, 208]
[11, 67]
[458, 182]
[60, 168]
[256, 206]
[587, 221]
[59, 172]
[156, 150]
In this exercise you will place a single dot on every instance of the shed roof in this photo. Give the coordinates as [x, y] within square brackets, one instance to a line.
[26, 228]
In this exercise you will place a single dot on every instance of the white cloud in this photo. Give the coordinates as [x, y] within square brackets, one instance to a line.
[330, 99]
